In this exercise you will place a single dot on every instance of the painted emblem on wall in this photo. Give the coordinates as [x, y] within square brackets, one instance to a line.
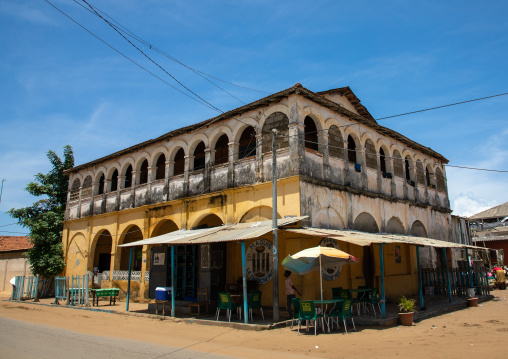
[259, 258]
[332, 272]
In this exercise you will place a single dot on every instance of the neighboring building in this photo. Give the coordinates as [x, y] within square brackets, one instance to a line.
[12, 259]
[335, 164]
[490, 230]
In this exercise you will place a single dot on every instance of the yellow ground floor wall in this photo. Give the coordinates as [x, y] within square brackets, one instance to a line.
[246, 204]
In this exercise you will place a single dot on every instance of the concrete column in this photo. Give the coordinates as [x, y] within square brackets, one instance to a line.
[259, 158]
[120, 187]
[379, 174]
[79, 202]
[135, 182]
[326, 156]
[390, 169]
[406, 191]
[296, 138]
[347, 173]
[296, 148]
[168, 174]
[363, 162]
[188, 160]
[232, 155]
[208, 168]
[67, 210]
[447, 199]
[436, 195]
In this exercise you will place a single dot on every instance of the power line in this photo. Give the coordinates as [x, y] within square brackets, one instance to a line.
[202, 74]
[7, 225]
[153, 47]
[424, 110]
[155, 63]
[443, 106]
[128, 58]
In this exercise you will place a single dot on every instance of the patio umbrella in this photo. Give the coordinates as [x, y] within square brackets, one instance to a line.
[315, 258]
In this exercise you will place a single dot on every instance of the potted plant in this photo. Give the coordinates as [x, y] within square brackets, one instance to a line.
[407, 308]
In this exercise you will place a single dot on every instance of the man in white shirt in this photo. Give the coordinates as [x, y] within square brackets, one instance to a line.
[290, 292]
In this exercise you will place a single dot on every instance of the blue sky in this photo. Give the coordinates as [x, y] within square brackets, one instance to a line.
[60, 85]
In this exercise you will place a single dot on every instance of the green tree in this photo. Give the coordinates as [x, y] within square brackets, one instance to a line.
[45, 217]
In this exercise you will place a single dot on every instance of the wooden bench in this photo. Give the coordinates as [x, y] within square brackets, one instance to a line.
[112, 293]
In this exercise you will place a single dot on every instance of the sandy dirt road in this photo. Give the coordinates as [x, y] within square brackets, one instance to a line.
[473, 332]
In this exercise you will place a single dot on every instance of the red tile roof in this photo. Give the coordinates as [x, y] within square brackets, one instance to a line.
[14, 243]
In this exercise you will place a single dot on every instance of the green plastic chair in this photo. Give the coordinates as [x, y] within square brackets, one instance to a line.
[255, 303]
[296, 310]
[344, 312]
[225, 302]
[373, 299]
[336, 292]
[308, 312]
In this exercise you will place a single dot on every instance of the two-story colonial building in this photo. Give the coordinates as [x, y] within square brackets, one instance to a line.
[335, 164]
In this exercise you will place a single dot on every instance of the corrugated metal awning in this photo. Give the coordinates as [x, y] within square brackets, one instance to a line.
[366, 239]
[227, 233]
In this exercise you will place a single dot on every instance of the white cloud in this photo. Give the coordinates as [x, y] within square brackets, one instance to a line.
[25, 12]
[467, 204]
[472, 191]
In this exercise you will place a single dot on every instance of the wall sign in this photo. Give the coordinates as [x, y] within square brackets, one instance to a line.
[159, 259]
[333, 272]
[259, 259]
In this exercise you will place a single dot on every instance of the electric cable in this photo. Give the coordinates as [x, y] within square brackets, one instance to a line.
[153, 47]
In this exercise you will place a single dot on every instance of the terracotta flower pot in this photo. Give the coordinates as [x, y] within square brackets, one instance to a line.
[472, 302]
[406, 318]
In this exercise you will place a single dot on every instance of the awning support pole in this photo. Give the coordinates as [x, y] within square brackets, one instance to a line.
[469, 275]
[382, 275]
[420, 289]
[173, 286]
[129, 279]
[275, 230]
[447, 276]
[244, 276]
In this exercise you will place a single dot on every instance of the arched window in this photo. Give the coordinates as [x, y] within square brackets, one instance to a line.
[160, 172]
[311, 135]
[86, 190]
[408, 171]
[179, 166]
[199, 156]
[280, 122]
[370, 154]
[247, 143]
[382, 160]
[335, 142]
[222, 150]
[398, 168]
[427, 177]
[143, 174]
[100, 190]
[114, 181]
[351, 149]
[128, 177]
[75, 189]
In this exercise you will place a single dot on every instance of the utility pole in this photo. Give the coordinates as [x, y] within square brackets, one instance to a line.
[275, 229]
[2, 189]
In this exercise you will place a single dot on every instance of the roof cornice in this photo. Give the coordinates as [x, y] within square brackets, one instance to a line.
[298, 89]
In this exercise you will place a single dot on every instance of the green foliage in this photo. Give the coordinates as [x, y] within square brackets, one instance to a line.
[45, 217]
[407, 305]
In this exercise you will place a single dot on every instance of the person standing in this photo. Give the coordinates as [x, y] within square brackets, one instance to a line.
[290, 292]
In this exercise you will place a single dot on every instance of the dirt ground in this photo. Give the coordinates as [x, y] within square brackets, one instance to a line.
[468, 333]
